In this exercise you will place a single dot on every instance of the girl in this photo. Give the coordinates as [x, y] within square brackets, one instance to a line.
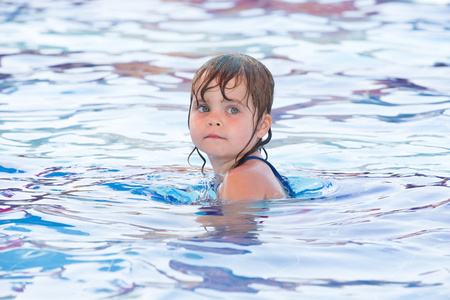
[229, 115]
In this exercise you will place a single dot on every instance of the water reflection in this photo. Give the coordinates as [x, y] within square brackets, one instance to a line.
[230, 229]
[232, 223]
[223, 279]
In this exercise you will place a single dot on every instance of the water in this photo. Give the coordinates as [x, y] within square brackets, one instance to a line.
[97, 199]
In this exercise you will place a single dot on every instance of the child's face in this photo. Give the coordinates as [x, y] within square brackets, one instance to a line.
[222, 128]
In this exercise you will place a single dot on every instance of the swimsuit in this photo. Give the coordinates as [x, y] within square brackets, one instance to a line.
[283, 180]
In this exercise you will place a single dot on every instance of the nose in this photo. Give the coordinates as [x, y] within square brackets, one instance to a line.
[214, 123]
[214, 120]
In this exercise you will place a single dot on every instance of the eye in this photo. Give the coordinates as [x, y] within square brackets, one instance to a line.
[232, 110]
[203, 108]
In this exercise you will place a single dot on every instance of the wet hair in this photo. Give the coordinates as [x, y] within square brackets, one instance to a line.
[243, 69]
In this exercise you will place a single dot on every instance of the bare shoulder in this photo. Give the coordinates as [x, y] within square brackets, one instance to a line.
[252, 180]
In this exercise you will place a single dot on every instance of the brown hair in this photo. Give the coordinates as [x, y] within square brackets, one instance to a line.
[244, 69]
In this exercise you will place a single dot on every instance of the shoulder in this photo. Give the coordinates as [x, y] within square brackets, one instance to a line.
[252, 180]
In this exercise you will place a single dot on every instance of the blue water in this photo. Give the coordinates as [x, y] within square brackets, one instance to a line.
[97, 199]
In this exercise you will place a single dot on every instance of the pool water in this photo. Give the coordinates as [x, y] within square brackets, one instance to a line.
[97, 199]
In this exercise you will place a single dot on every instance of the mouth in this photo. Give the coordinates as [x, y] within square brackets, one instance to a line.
[214, 136]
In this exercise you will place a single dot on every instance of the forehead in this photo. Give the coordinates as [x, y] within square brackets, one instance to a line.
[234, 86]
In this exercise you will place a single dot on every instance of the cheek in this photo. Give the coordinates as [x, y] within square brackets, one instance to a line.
[245, 132]
[194, 128]
[192, 121]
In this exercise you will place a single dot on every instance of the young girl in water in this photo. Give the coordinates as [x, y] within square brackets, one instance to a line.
[229, 115]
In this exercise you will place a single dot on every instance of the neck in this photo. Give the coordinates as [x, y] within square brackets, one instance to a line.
[221, 165]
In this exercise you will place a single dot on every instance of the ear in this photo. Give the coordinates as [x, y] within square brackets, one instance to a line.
[264, 126]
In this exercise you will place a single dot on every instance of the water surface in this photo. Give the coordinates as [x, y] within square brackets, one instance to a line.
[97, 197]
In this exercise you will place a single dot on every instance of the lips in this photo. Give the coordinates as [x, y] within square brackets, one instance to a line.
[214, 136]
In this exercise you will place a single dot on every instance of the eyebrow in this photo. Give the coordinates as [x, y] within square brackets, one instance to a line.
[241, 102]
